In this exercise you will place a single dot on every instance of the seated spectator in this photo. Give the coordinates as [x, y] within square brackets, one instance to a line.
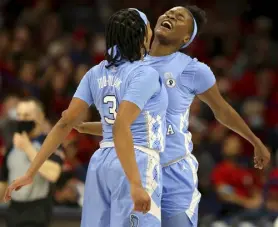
[271, 199]
[235, 185]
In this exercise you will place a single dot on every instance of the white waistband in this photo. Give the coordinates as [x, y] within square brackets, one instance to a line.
[146, 150]
[187, 155]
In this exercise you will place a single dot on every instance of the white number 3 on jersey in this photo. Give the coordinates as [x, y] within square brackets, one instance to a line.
[112, 110]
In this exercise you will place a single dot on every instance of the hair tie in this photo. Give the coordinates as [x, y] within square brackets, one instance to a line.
[142, 15]
[194, 33]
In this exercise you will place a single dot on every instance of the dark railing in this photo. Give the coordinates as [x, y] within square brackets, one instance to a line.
[62, 216]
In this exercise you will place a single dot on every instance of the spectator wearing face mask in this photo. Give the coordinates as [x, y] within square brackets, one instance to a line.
[32, 205]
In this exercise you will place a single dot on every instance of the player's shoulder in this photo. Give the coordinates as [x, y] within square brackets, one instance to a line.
[97, 69]
[148, 70]
[185, 63]
[183, 57]
[141, 68]
[100, 66]
[202, 67]
[195, 66]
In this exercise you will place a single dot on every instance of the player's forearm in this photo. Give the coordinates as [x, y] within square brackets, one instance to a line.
[125, 150]
[93, 128]
[49, 169]
[231, 119]
[51, 143]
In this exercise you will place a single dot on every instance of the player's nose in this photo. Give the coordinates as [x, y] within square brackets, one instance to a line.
[171, 16]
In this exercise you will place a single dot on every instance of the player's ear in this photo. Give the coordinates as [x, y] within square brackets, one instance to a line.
[186, 39]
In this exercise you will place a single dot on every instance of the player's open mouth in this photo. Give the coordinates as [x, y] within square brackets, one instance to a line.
[167, 24]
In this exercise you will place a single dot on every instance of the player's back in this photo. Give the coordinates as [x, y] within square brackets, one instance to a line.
[110, 86]
[107, 88]
[184, 78]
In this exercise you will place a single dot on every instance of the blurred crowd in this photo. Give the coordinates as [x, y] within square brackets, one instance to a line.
[47, 46]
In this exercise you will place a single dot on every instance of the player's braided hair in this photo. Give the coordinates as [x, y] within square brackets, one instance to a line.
[127, 31]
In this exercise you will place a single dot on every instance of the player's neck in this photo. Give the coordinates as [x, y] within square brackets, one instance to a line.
[158, 49]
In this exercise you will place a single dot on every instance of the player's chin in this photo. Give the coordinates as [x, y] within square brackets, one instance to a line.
[162, 33]
[164, 30]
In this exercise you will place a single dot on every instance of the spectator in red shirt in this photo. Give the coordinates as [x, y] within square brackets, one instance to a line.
[260, 84]
[234, 184]
[271, 199]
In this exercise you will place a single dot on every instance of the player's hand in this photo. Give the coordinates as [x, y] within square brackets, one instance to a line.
[261, 156]
[141, 199]
[16, 185]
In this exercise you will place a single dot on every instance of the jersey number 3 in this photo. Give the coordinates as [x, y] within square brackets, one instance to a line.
[111, 99]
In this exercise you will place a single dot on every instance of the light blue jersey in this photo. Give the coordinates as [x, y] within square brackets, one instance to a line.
[106, 88]
[107, 201]
[184, 78]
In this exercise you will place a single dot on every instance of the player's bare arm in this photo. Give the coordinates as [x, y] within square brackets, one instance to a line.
[127, 113]
[92, 128]
[227, 116]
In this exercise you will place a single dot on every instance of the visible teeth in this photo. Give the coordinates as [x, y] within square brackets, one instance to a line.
[167, 24]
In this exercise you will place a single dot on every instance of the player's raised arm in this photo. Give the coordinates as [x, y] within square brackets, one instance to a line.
[79, 104]
[133, 103]
[208, 92]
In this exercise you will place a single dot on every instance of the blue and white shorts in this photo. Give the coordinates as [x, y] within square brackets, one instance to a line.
[107, 200]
